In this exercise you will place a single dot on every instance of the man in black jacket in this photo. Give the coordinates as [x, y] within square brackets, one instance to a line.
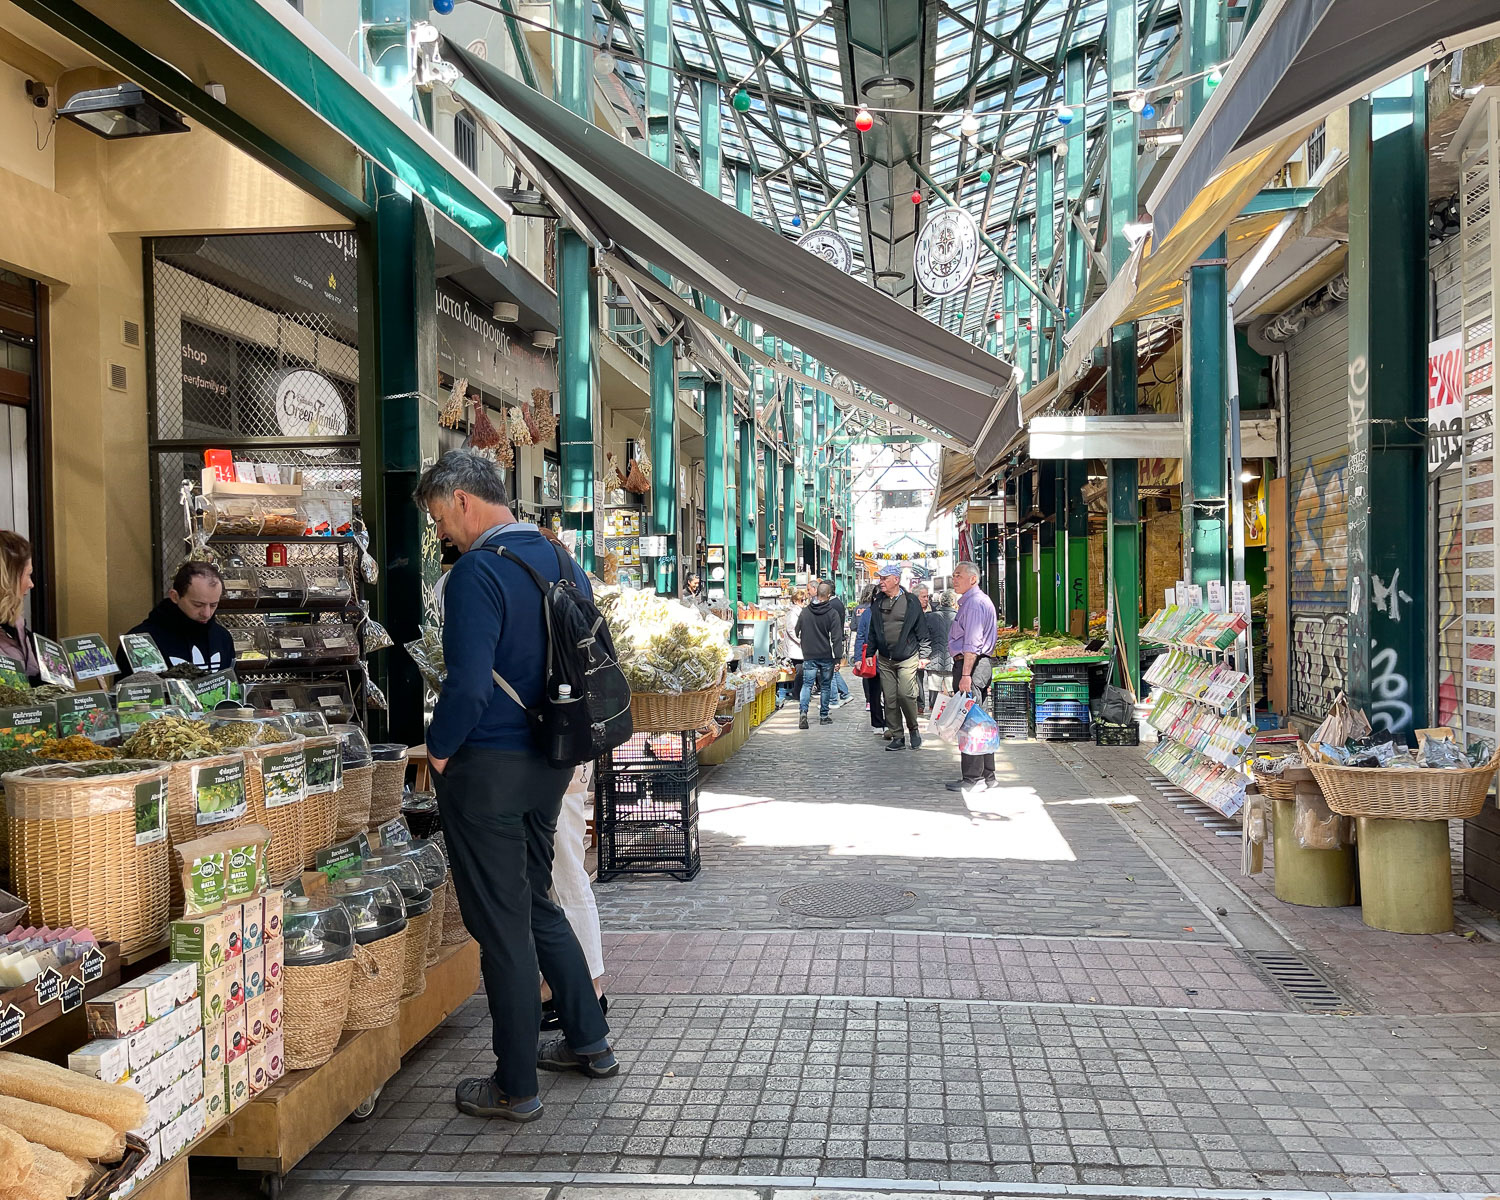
[822, 635]
[183, 625]
[896, 634]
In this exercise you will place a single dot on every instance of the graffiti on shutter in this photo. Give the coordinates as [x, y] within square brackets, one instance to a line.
[1319, 571]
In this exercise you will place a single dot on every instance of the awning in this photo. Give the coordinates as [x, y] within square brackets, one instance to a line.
[638, 206]
[1152, 279]
[1301, 60]
[286, 46]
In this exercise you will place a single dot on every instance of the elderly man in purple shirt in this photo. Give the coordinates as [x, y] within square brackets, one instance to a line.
[971, 639]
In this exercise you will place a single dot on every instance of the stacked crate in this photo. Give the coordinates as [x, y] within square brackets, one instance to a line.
[646, 807]
[1062, 701]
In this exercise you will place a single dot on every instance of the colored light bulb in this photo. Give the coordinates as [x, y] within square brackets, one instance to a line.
[1064, 115]
[984, 177]
[864, 121]
[916, 197]
[741, 100]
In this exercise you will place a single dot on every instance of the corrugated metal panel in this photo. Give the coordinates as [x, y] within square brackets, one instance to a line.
[1318, 430]
[1447, 619]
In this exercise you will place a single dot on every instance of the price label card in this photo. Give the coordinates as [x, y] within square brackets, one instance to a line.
[1239, 594]
[151, 812]
[90, 657]
[219, 792]
[142, 653]
[1195, 595]
[1216, 595]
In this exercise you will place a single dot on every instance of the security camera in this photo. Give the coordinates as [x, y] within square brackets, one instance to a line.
[38, 93]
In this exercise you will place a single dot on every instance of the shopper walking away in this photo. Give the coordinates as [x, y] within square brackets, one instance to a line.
[840, 687]
[940, 661]
[971, 640]
[571, 887]
[822, 641]
[791, 648]
[895, 633]
[924, 598]
[500, 797]
[874, 697]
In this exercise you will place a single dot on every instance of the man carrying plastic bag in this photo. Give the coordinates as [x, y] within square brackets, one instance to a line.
[947, 719]
[971, 639]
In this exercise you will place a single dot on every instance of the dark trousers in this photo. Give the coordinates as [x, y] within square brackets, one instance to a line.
[875, 694]
[499, 812]
[976, 766]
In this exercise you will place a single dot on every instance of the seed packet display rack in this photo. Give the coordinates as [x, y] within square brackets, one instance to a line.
[1201, 706]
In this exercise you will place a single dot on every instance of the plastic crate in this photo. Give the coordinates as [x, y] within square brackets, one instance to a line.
[1072, 710]
[1010, 698]
[1107, 733]
[647, 825]
[1055, 690]
[653, 753]
[1043, 671]
[1062, 730]
[1012, 730]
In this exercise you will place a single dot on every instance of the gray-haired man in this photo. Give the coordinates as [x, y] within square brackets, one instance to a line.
[971, 641]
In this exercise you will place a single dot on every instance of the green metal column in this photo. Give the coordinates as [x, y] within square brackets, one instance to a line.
[1206, 514]
[1025, 306]
[748, 494]
[790, 484]
[731, 500]
[1060, 546]
[1075, 275]
[1026, 577]
[770, 547]
[718, 401]
[1124, 498]
[1047, 535]
[663, 359]
[1011, 537]
[398, 421]
[1387, 482]
[578, 304]
[805, 457]
[1046, 253]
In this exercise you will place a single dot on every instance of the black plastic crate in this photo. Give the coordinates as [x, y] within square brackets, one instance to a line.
[1014, 731]
[1061, 729]
[646, 824]
[1009, 698]
[1043, 671]
[674, 754]
[1107, 733]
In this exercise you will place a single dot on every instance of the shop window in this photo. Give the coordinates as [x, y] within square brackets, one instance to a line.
[902, 498]
[466, 140]
[1317, 147]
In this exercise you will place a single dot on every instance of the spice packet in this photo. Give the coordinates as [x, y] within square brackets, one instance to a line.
[222, 868]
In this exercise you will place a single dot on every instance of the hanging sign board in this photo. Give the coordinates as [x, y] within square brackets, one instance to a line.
[1216, 595]
[1445, 404]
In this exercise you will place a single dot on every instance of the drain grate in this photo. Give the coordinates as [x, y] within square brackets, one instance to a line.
[1302, 982]
[846, 899]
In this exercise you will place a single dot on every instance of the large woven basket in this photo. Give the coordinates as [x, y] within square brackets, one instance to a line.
[1274, 786]
[385, 791]
[284, 858]
[320, 812]
[379, 975]
[182, 811]
[415, 973]
[669, 712]
[455, 931]
[314, 1003]
[1406, 793]
[435, 926]
[73, 853]
[353, 802]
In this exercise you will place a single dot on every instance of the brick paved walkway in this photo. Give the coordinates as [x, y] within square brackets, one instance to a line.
[1052, 1010]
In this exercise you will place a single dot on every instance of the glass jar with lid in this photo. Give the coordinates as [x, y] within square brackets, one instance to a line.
[375, 906]
[316, 930]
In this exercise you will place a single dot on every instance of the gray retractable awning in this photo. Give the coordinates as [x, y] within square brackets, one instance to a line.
[656, 215]
[1302, 60]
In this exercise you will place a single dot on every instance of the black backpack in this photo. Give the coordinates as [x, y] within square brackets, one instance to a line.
[595, 717]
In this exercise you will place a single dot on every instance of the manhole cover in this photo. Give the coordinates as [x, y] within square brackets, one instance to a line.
[846, 899]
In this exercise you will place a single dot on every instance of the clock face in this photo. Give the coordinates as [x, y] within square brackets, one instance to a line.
[947, 252]
[830, 247]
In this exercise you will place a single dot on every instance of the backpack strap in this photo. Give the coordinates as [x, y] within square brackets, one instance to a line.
[542, 586]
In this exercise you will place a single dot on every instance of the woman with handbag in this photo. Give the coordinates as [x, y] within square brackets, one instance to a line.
[864, 662]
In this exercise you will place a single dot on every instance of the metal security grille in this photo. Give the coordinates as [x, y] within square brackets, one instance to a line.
[466, 140]
[254, 349]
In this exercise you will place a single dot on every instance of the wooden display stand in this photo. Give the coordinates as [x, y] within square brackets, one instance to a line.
[276, 1130]
[170, 1183]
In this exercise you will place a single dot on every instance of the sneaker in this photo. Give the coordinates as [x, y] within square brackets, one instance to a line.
[916, 740]
[556, 1055]
[483, 1098]
[969, 787]
[825, 720]
[896, 744]
[802, 721]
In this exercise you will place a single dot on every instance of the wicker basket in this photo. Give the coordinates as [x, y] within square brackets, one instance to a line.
[1405, 793]
[667, 712]
[314, 1003]
[415, 975]
[320, 812]
[182, 811]
[385, 791]
[379, 974]
[455, 932]
[74, 858]
[285, 821]
[1275, 786]
[435, 926]
[353, 802]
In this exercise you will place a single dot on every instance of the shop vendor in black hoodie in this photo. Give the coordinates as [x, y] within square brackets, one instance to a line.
[183, 625]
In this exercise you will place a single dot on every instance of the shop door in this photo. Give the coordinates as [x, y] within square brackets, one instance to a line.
[1318, 404]
[21, 461]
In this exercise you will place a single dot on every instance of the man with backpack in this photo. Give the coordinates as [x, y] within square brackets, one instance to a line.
[498, 732]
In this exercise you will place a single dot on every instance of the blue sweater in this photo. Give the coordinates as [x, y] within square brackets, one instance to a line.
[492, 619]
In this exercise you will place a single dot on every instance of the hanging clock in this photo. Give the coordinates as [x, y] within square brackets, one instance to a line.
[947, 252]
[830, 246]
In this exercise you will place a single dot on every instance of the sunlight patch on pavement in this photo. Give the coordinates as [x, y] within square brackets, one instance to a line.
[1003, 824]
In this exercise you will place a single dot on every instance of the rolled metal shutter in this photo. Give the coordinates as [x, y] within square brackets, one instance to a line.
[1445, 622]
[1318, 430]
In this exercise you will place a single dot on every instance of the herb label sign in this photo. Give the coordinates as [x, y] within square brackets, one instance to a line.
[53, 661]
[88, 714]
[48, 986]
[340, 860]
[12, 1024]
[219, 792]
[181, 694]
[23, 728]
[133, 697]
[215, 688]
[89, 656]
[325, 769]
[151, 812]
[142, 653]
[283, 776]
[394, 832]
[13, 672]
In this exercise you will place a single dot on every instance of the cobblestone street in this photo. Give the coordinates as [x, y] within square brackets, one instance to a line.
[1070, 998]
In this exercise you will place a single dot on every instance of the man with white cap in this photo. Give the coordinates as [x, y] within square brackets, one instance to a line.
[895, 633]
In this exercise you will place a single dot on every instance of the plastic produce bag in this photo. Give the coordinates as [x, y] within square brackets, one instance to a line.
[980, 734]
[373, 632]
[948, 716]
[1315, 825]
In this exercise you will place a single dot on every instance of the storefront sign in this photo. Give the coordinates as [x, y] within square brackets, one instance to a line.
[309, 405]
[471, 344]
[1445, 404]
